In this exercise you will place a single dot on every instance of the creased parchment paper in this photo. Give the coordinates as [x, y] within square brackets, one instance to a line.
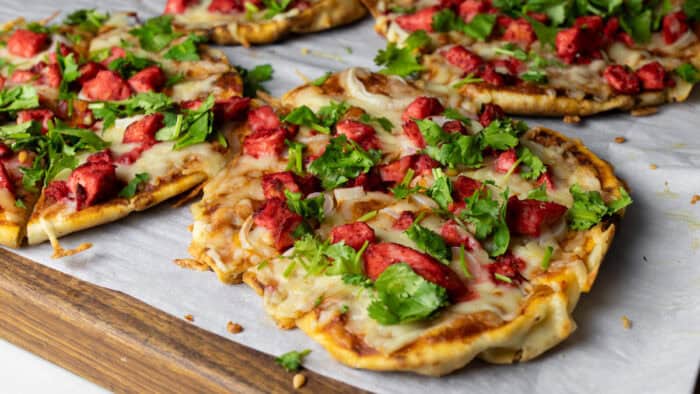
[651, 275]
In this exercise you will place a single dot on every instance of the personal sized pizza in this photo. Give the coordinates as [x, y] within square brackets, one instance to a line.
[247, 22]
[402, 234]
[545, 58]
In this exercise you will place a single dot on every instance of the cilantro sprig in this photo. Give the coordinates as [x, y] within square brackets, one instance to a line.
[488, 216]
[429, 242]
[254, 78]
[142, 103]
[589, 208]
[291, 361]
[403, 61]
[156, 33]
[89, 20]
[342, 161]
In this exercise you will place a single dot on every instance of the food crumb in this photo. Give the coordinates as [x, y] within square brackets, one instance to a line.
[298, 380]
[644, 111]
[572, 119]
[189, 317]
[694, 199]
[305, 51]
[191, 264]
[626, 322]
[234, 328]
[653, 166]
[620, 140]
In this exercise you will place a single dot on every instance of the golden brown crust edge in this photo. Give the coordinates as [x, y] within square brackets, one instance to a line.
[320, 16]
[545, 318]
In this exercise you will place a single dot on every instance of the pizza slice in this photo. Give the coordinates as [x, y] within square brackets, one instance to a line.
[246, 22]
[404, 235]
[145, 150]
[536, 59]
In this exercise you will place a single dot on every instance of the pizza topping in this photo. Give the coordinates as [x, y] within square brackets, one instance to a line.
[56, 191]
[489, 113]
[674, 25]
[18, 98]
[379, 257]
[178, 6]
[507, 269]
[149, 79]
[429, 242]
[520, 31]
[93, 182]
[311, 208]
[468, 61]
[89, 71]
[265, 142]
[530, 217]
[342, 161]
[274, 185]
[114, 54]
[6, 180]
[88, 20]
[106, 86]
[132, 187]
[421, 20]
[653, 76]
[225, 6]
[396, 170]
[156, 33]
[26, 43]
[363, 134]
[404, 221]
[468, 9]
[465, 187]
[263, 118]
[143, 131]
[279, 221]
[421, 108]
[546, 179]
[488, 217]
[621, 79]
[43, 116]
[404, 296]
[455, 235]
[354, 235]
[424, 165]
[414, 134]
[688, 73]
[589, 208]
[231, 109]
[402, 61]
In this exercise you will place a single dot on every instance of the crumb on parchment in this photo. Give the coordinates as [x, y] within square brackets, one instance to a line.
[189, 317]
[298, 381]
[694, 199]
[653, 166]
[234, 328]
[626, 322]
[620, 140]
[572, 119]
[645, 111]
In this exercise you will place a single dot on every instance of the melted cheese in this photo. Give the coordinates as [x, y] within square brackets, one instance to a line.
[199, 16]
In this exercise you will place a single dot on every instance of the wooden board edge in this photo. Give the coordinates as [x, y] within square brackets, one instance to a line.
[125, 345]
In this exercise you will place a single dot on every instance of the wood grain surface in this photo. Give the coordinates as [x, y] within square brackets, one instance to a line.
[126, 345]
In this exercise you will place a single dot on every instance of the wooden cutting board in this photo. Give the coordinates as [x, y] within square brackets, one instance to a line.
[126, 345]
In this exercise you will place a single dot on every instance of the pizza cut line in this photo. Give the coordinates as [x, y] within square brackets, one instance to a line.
[551, 59]
[402, 234]
[230, 22]
[101, 117]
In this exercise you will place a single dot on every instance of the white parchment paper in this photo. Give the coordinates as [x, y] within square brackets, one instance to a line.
[651, 274]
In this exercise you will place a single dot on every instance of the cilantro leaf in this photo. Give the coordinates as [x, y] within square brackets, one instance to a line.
[544, 264]
[691, 8]
[186, 51]
[142, 103]
[295, 156]
[441, 189]
[304, 116]
[322, 79]
[315, 257]
[291, 361]
[275, 7]
[156, 33]
[470, 78]
[383, 122]
[130, 189]
[489, 219]
[310, 208]
[502, 134]
[129, 65]
[330, 114]
[89, 20]
[69, 73]
[534, 167]
[589, 208]
[534, 75]
[688, 73]
[429, 242]
[17, 98]
[403, 296]
[341, 161]
[637, 25]
[451, 113]
[403, 189]
[545, 34]
[254, 78]
[357, 280]
[539, 194]
[480, 26]
[397, 61]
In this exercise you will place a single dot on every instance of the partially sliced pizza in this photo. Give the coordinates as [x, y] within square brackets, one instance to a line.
[402, 234]
[246, 22]
[553, 59]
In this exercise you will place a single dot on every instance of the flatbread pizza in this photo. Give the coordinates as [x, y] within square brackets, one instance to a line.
[251, 22]
[403, 234]
[551, 59]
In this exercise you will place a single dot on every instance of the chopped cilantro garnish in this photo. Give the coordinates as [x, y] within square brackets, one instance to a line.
[254, 78]
[534, 75]
[20, 204]
[130, 189]
[532, 166]
[637, 25]
[327, 116]
[86, 20]
[17, 98]
[317, 257]
[156, 33]
[69, 73]
[589, 208]
[322, 79]
[441, 189]
[275, 7]
[403, 296]
[691, 8]
[342, 160]
[470, 78]
[451, 113]
[295, 160]
[186, 51]
[357, 280]
[513, 50]
[190, 128]
[688, 73]
[488, 216]
[403, 61]
[429, 242]
[546, 258]
[129, 65]
[310, 208]
[381, 121]
[539, 194]
[142, 103]
[291, 361]
[463, 263]
[502, 134]
[368, 216]
[403, 189]
[502, 278]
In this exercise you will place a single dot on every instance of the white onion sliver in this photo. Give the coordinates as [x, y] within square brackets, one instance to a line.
[349, 193]
[243, 233]
[424, 201]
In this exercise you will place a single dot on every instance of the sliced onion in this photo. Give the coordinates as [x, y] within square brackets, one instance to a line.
[391, 212]
[328, 202]
[424, 201]
[357, 90]
[349, 194]
[244, 231]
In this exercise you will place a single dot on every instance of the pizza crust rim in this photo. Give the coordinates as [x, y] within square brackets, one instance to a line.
[323, 15]
[544, 321]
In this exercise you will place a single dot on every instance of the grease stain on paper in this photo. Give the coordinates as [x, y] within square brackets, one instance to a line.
[686, 217]
[667, 193]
